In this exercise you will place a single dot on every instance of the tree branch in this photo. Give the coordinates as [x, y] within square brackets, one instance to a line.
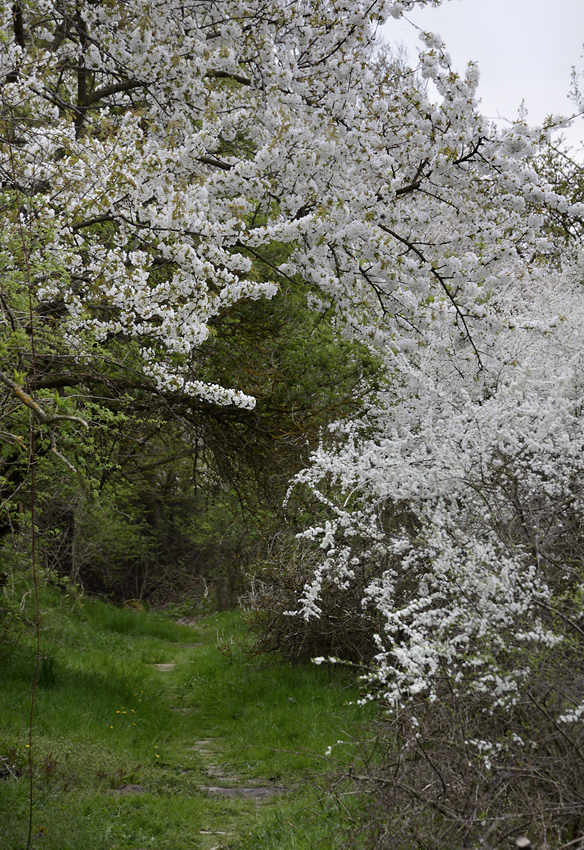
[114, 88]
[471, 153]
[227, 75]
[95, 220]
[216, 163]
[412, 247]
[405, 190]
[29, 402]
[18, 24]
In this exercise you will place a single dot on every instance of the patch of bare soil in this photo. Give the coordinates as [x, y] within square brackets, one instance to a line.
[233, 785]
[131, 789]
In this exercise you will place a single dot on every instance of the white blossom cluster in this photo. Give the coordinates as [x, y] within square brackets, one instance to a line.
[464, 486]
[170, 144]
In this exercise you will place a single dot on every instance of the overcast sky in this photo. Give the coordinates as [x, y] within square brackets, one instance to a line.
[525, 50]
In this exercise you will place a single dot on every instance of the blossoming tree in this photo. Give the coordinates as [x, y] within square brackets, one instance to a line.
[152, 156]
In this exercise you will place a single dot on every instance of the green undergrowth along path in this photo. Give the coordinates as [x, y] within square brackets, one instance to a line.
[151, 734]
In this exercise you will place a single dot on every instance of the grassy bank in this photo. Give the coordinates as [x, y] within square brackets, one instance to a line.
[151, 734]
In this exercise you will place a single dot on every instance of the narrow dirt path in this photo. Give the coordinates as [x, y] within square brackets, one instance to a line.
[242, 800]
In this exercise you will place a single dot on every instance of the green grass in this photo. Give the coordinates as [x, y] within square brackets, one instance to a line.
[106, 717]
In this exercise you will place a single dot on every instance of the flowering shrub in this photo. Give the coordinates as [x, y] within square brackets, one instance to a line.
[461, 490]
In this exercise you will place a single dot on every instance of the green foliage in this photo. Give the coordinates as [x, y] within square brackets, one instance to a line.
[142, 494]
[163, 496]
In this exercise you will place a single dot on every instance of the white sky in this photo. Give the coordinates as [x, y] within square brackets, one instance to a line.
[525, 50]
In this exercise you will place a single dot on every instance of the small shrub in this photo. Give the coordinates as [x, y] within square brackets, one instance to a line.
[344, 629]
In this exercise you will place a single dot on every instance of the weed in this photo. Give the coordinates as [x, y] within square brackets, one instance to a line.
[12, 762]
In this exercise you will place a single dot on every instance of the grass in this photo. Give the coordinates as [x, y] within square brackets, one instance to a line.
[106, 718]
